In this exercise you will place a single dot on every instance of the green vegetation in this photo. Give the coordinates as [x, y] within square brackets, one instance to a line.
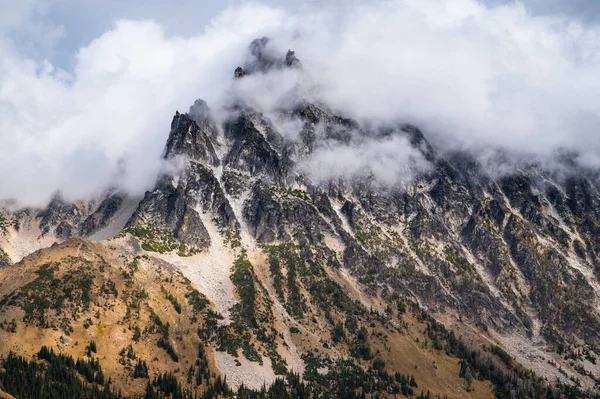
[156, 239]
[137, 334]
[199, 372]
[348, 379]
[243, 279]
[163, 341]
[231, 235]
[361, 348]
[141, 369]
[4, 258]
[327, 297]
[337, 334]
[465, 277]
[376, 239]
[109, 288]
[196, 299]
[60, 376]
[133, 298]
[325, 293]
[9, 326]
[3, 223]
[275, 268]
[153, 238]
[286, 192]
[285, 255]
[251, 329]
[295, 302]
[509, 379]
[127, 354]
[91, 348]
[172, 299]
[69, 294]
[54, 376]
[243, 313]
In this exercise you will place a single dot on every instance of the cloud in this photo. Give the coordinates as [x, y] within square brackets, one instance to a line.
[106, 122]
[472, 75]
[392, 160]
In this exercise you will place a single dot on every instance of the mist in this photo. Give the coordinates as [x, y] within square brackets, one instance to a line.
[472, 75]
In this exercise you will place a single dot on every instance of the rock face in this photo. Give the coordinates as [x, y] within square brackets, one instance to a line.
[252, 152]
[102, 216]
[192, 134]
[175, 204]
[499, 252]
[23, 231]
[60, 216]
[515, 256]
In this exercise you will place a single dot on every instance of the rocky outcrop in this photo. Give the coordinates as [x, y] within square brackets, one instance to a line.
[264, 59]
[191, 136]
[168, 208]
[251, 151]
[276, 213]
[102, 216]
[60, 217]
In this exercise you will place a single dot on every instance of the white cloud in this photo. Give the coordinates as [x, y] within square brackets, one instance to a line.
[107, 122]
[392, 160]
[493, 76]
[471, 74]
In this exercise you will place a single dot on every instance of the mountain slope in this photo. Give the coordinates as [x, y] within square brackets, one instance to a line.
[328, 278]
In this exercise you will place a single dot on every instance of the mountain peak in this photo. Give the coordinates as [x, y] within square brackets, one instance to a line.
[192, 134]
[291, 60]
[265, 59]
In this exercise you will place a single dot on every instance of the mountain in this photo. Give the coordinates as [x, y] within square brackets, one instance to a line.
[244, 270]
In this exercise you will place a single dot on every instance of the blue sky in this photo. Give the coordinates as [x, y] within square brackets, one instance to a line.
[78, 22]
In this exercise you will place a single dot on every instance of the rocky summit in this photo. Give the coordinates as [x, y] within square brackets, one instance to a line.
[242, 275]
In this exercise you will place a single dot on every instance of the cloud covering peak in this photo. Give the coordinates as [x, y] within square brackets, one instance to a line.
[471, 75]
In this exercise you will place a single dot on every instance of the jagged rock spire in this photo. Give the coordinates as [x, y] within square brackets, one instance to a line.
[192, 135]
[291, 61]
[239, 72]
[264, 59]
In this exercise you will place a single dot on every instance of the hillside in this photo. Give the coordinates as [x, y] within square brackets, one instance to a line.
[88, 301]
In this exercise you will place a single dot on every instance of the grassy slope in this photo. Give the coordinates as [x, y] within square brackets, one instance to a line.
[112, 328]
